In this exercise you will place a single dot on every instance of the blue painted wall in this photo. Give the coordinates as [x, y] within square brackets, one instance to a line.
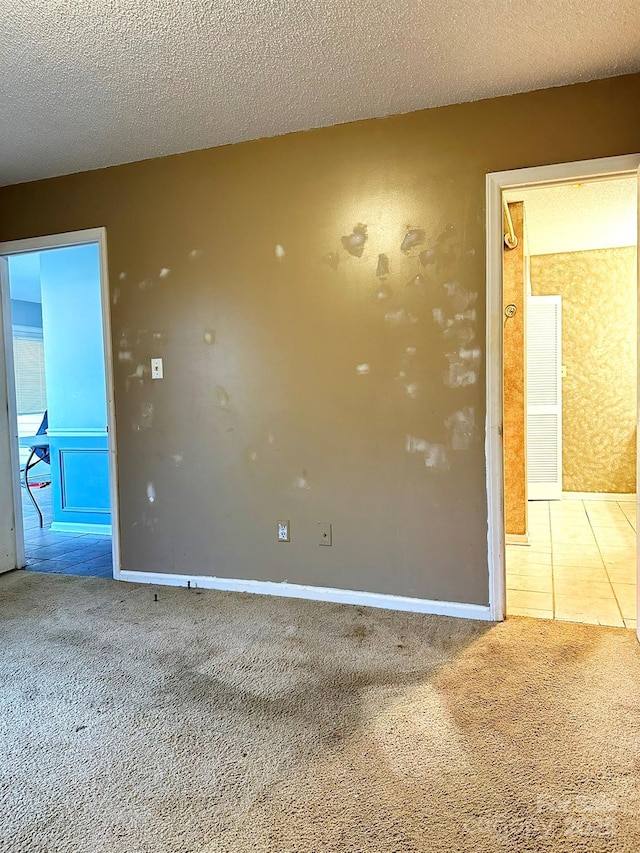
[76, 393]
[73, 344]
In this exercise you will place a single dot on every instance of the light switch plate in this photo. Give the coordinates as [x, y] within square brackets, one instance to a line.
[157, 371]
[284, 531]
[324, 533]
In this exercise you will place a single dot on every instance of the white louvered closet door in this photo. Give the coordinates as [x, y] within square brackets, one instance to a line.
[544, 397]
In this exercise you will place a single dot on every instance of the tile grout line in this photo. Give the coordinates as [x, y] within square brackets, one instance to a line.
[615, 597]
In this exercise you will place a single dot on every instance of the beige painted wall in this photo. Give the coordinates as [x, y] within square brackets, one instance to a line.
[273, 419]
[599, 343]
[515, 461]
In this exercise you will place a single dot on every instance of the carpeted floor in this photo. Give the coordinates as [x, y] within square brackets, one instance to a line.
[220, 723]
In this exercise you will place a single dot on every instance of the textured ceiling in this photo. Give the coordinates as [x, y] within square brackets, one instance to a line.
[98, 82]
[579, 217]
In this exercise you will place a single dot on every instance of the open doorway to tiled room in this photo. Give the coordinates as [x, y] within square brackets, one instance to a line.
[570, 401]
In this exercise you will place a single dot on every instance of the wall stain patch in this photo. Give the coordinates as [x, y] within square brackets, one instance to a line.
[383, 266]
[413, 237]
[280, 252]
[434, 455]
[302, 481]
[178, 459]
[363, 369]
[461, 425]
[116, 295]
[122, 276]
[331, 259]
[222, 397]
[209, 337]
[383, 292]
[400, 317]
[145, 420]
[194, 254]
[354, 242]
[164, 272]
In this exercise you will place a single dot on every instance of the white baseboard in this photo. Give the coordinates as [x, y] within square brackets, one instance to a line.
[313, 593]
[90, 529]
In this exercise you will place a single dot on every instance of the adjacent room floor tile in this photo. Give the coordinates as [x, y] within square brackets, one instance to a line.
[580, 564]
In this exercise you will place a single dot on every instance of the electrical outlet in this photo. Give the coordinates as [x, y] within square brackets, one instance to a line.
[284, 531]
[324, 533]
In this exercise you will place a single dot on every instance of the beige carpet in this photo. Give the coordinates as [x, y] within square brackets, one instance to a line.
[220, 722]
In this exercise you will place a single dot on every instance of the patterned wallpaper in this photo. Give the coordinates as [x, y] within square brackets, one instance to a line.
[598, 290]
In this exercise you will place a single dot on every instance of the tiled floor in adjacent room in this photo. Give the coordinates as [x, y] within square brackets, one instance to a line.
[61, 553]
[580, 565]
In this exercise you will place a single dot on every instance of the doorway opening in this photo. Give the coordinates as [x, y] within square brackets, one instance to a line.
[57, 352]
[568, 404]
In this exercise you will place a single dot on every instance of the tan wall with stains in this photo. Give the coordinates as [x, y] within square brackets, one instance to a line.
[515, 460]
[599, 344]
[305, 436]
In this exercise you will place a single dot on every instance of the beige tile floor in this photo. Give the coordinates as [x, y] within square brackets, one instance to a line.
[580, 565]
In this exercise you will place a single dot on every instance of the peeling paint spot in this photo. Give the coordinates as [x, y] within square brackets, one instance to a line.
[280, 252]
[438, 316]
[459, 374]
[383, 292]
[178, 459]
[436, 458]
[151, 493]
[400, 317]
[435, 455]
[396, 317]
[194, 254]
[222, 397]
[122, 276]
[413, 237]
[461, 425]
[164, 272]
[209, 337]
[412, 389]
[354, 242]
[331, 259]
[302, 481]
[383, 266]
[124, 355]
[363, 369]
[140, 372]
